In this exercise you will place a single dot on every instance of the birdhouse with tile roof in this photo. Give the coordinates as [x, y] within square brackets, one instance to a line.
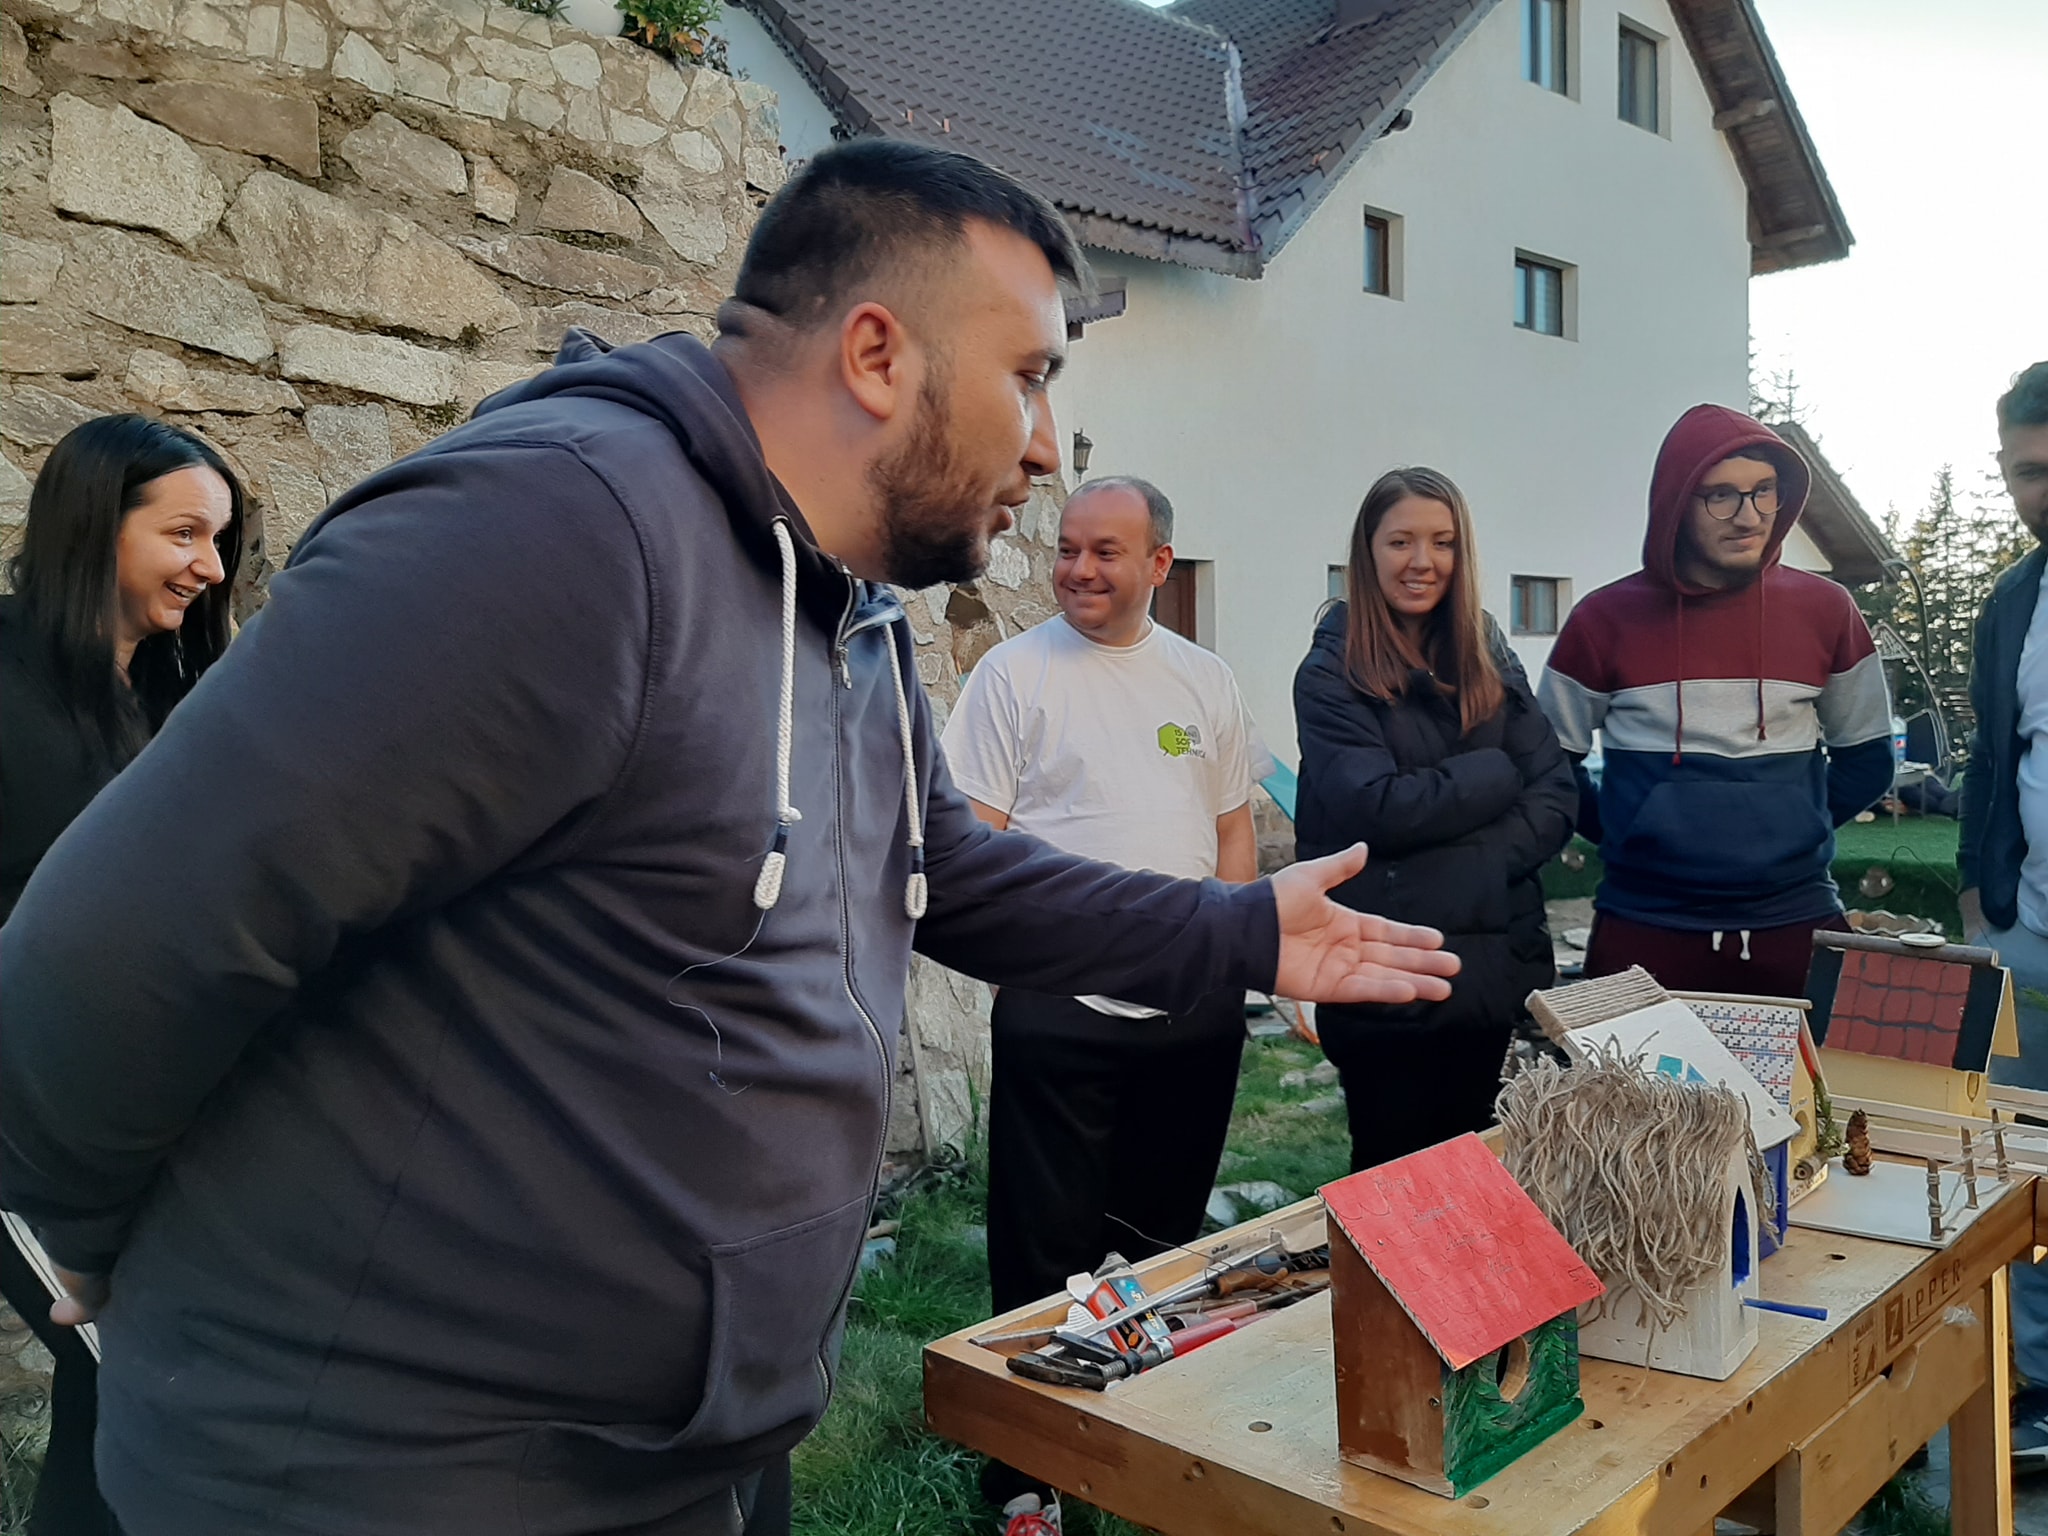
[1454, 1309]
[1900, 1022]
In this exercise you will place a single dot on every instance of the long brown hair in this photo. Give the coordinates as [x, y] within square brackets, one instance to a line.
[1378, 655]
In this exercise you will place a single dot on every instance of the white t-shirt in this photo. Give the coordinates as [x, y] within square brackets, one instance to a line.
[2033, 730]
[1122, 753]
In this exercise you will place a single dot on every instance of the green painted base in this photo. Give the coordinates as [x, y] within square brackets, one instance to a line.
[1484, 1429]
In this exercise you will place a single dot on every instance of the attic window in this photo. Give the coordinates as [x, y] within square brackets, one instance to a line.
[1638, 102]
[1546, 41]
[1381, 268]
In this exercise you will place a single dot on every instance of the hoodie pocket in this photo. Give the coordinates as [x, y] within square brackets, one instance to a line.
[1725, 840]
[777, 1310]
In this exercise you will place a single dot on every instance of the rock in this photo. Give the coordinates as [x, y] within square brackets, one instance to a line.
[280, 128]
[102, 61]
[676, 205]
[428, 30]
[764, 168]
[634, 131]
[108, 165]
[220, 26]
[510, 62]
[1008, 566]
[874, 1251]
[1221, 1209]
[1260, 1194]
[479, 381]
[578, 65]
[1323, 1073]
[1329, 1104]
[725, 128]
[579, 202]
[1269, 1029]
[710, 94]
[15, 75]
[526, 25]
[390, 157]
[484, 96]
[586, 117]
[551, 264]
[14, 485]
[356, 59]
[131, 283]
[293, 496]
[1295, 1081]
[162, 380]
[354, 443]
[310, 248]
[146, 15]
[424, 79]
[264, 30]
[667, 89]
[696, 151]
[531, 104]
[376, 365]
[496, 194]
[305, 38]
[619, 327]
[34, 342]
[35, 418]
[27, 268]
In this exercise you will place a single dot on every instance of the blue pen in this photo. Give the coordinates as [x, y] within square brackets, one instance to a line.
[1818, 1314]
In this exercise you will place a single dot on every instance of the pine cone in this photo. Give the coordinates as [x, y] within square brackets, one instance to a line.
[1857, 1159]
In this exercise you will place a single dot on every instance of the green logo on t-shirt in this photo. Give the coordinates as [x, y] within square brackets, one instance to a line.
[1180, 740]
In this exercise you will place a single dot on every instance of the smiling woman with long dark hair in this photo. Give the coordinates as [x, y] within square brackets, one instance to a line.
[1419, 738]
[119, 605]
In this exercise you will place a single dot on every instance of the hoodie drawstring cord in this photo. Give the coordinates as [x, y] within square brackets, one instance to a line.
[1761, 733]
[768, 886]
[914, 891]
[1744, 933]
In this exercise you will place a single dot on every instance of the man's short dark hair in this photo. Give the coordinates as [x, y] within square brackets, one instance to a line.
[1157, 507]
[2026, 403]
[858, 209]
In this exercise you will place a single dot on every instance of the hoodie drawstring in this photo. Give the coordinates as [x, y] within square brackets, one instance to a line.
[1762, 582]
[1744, 933]
[768, 887]
[1678, 733]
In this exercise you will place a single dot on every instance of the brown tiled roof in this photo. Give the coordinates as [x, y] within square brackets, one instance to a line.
[1206, 133]
[1856, 549]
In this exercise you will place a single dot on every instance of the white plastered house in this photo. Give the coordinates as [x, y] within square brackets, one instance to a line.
[1511, 239]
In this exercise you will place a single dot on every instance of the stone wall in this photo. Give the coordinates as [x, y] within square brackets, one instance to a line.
[318, 233]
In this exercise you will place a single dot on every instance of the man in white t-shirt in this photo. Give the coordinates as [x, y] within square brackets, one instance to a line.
[1110, 736]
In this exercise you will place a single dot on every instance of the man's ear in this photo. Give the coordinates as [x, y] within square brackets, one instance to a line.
[1162, 564]
[875, 355]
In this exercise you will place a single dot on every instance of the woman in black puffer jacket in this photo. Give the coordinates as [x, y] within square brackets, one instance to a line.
[1419, 738]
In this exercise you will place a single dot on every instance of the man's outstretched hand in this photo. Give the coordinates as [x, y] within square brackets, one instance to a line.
[1330, 954]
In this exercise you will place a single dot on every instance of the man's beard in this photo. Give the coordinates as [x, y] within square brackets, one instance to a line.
[934, 517]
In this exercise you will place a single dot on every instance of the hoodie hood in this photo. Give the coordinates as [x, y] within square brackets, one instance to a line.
[676, 379]
[1702, 438]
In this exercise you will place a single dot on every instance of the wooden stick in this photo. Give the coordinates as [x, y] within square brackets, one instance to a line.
[1998, 1137]
[1969, 1167]
[1934, 1222]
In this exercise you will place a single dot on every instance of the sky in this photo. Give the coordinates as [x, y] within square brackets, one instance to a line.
[1928, 117]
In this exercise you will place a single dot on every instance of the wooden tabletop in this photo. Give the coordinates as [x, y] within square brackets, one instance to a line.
[1241, 1437]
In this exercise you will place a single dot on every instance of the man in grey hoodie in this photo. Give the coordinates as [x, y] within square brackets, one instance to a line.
[454, 1058]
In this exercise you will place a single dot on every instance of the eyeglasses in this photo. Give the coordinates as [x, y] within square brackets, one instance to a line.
[1724, 501]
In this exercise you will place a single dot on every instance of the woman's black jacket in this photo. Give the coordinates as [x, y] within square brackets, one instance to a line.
[1459, 827]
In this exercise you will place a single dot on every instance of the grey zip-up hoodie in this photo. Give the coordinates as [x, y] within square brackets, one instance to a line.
[481, 1133]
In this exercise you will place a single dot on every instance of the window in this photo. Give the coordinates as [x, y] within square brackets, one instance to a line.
[1545, 40]
[1379, 275]
[1538, 604]
[1638, 102]
[1539, 296]
[1337, 576]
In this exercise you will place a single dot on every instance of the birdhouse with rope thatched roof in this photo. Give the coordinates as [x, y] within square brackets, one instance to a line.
[1454, 1309]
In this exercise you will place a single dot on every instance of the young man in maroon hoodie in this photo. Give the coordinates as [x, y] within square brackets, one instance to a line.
[1744, 717]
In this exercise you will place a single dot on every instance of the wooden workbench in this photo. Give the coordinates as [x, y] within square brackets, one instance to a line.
[1239, 1439]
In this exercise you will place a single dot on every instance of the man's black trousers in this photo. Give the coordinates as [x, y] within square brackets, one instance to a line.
[1104, 1134]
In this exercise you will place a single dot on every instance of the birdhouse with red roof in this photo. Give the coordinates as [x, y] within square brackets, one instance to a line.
[1454, 1307]
[1906, 1022]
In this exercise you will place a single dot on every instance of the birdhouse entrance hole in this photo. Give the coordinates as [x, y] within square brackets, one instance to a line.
[1738, 1250]
[1511, 1370]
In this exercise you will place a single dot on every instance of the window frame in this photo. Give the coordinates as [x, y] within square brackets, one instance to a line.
[1528, 263]
[1632, 32]
[1549, 68]
[1377, 275]
[1558, 591]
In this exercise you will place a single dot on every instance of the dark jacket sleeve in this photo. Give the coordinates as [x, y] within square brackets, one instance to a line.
[1979, 766]
[1858, 776]
[1532, 830]
[1015, 911]
[431, 690]
[1367, 796]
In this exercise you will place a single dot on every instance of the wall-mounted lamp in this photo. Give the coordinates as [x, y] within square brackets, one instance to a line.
[1084, 445]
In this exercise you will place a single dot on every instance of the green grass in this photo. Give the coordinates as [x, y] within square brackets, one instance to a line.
[1919, 854]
